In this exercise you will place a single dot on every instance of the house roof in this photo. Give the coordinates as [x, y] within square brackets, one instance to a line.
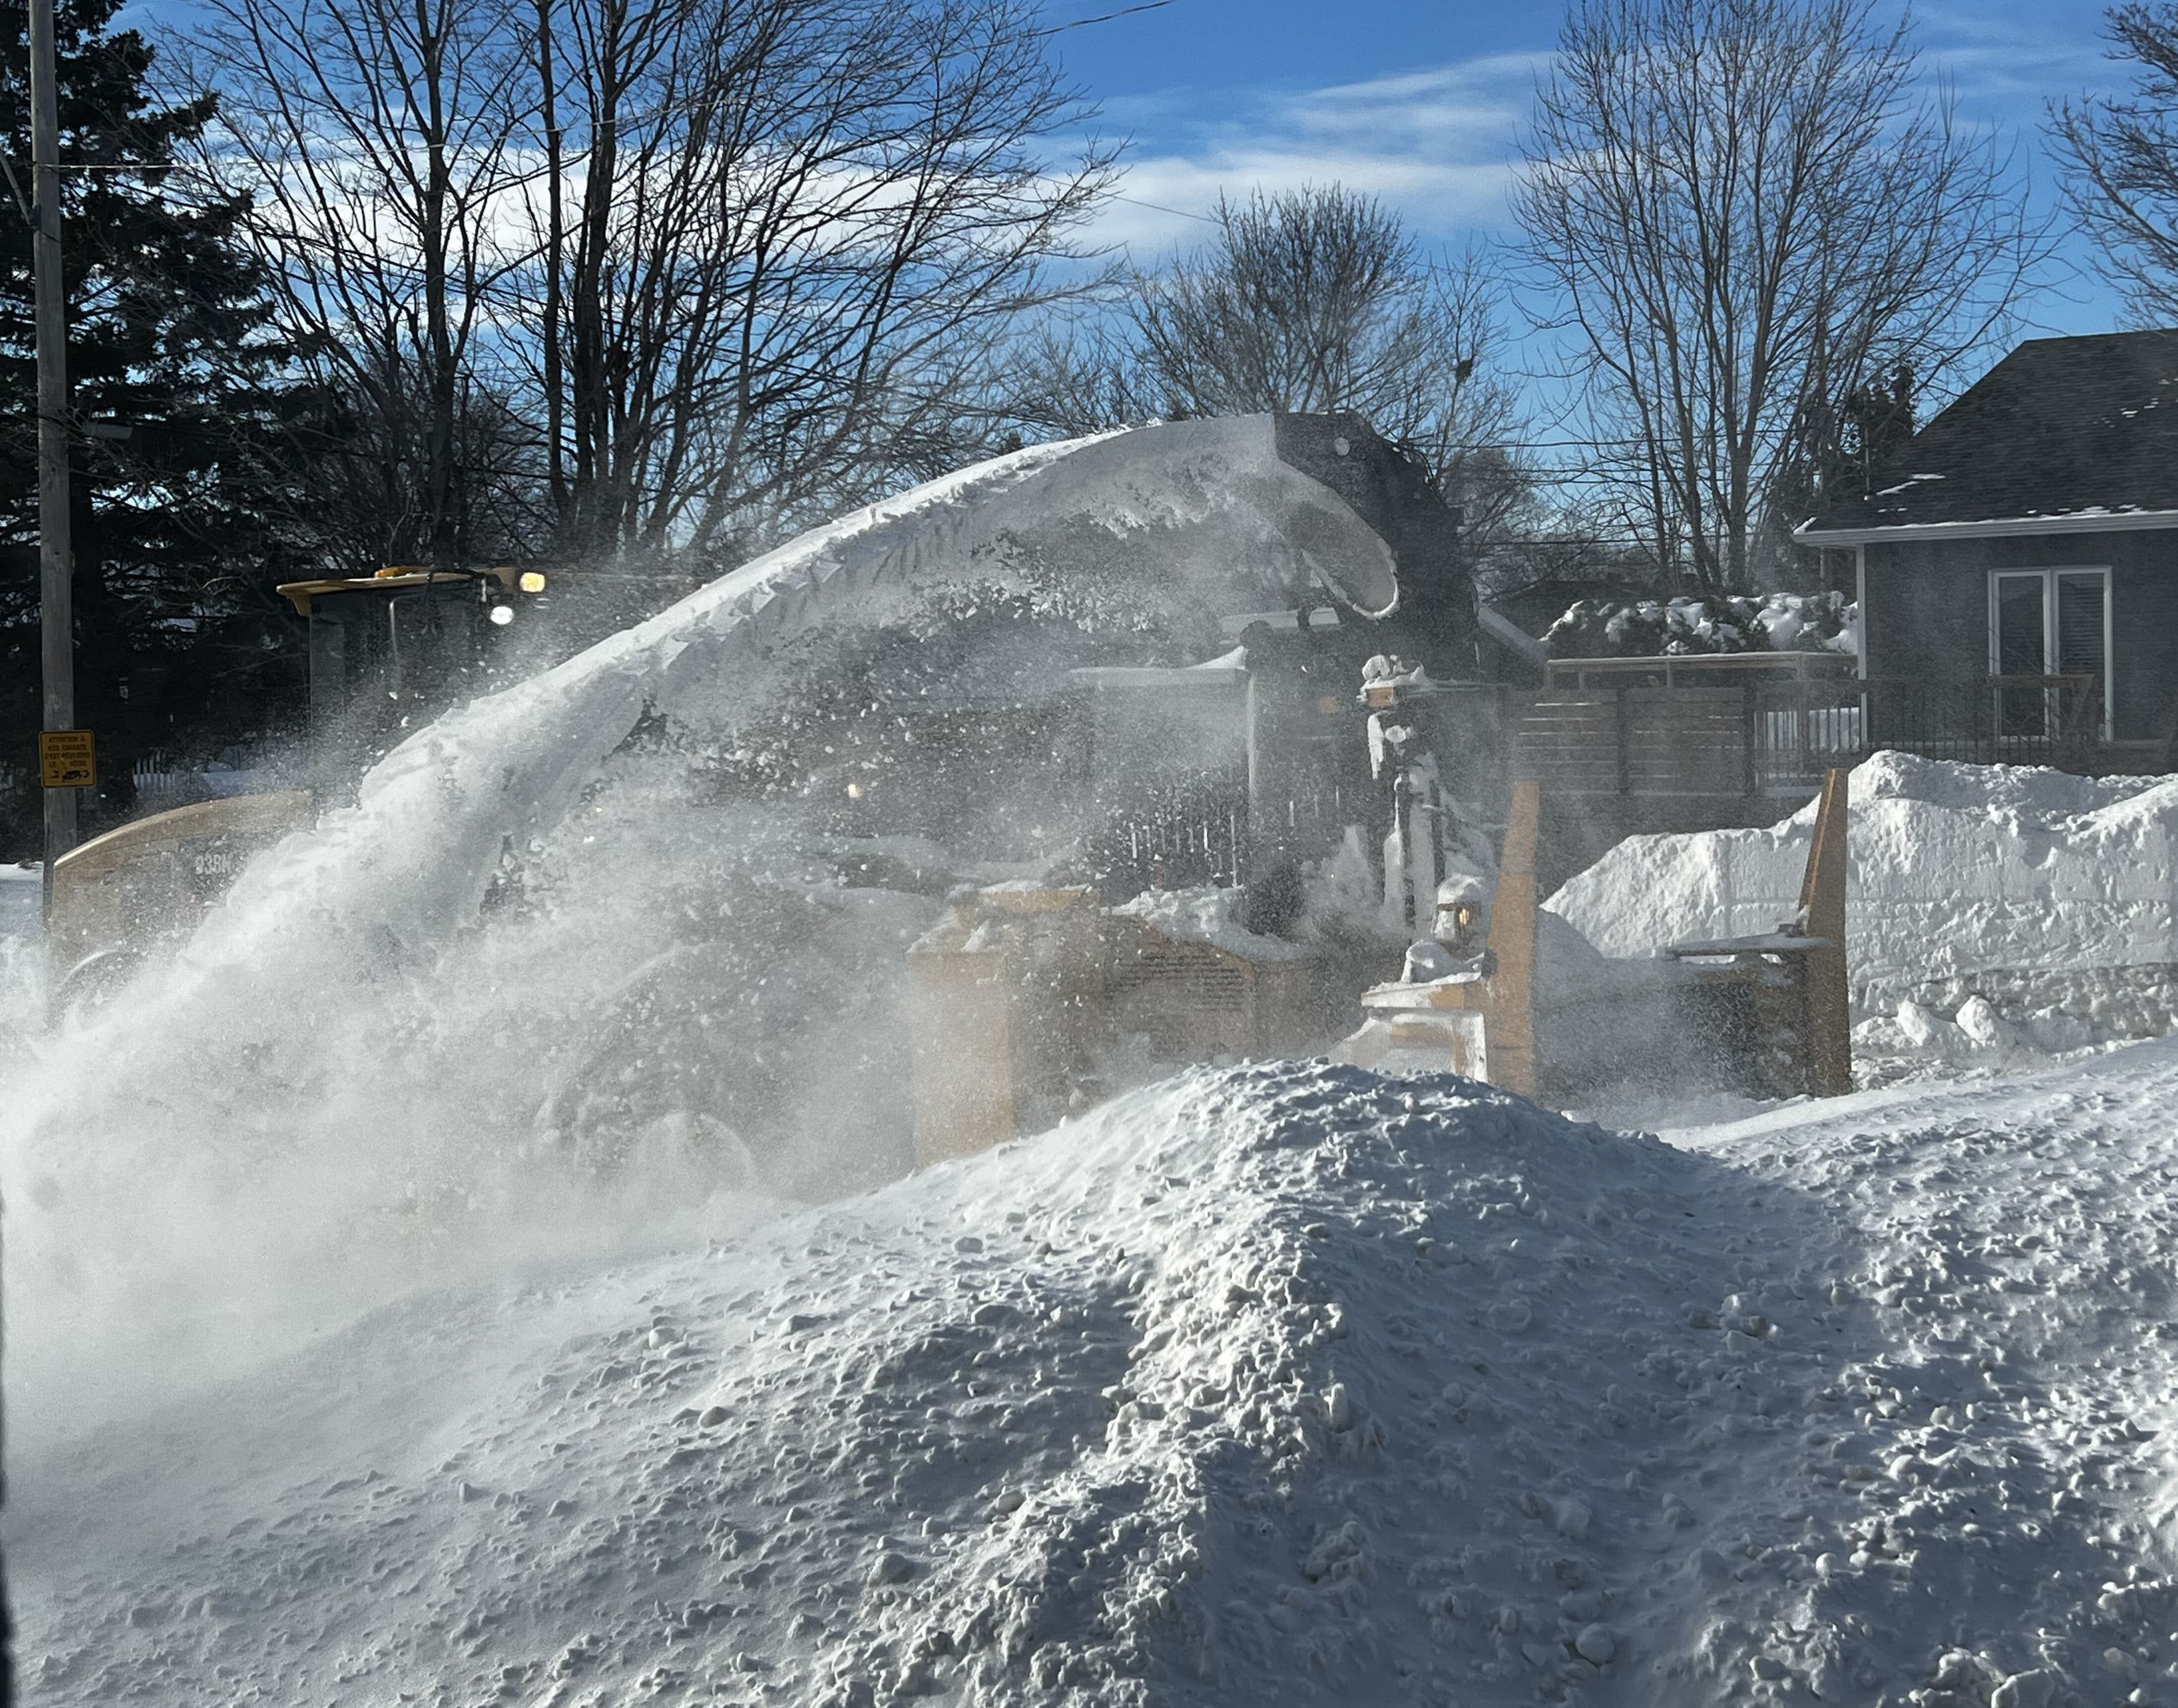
[2063, 434]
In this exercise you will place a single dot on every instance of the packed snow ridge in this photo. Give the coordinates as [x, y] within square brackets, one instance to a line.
[1275, 1384]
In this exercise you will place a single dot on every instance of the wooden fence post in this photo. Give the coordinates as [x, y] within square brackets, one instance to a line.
[1822, 914]
[1510, 1021]
[1750, 703]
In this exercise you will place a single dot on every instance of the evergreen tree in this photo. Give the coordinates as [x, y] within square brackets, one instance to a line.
[180, 527]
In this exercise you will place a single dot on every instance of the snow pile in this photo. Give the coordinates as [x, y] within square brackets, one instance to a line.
[1274, 1384]
[2049, 900]
[1207, 914]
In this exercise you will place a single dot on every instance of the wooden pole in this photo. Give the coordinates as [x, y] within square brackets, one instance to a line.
[56, 560]
[1510, 1019]
[1822, 914]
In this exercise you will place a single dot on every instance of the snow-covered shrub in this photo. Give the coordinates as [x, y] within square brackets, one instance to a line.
[1649, 628]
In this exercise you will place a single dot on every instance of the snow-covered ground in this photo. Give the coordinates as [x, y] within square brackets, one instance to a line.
[19, 891]
[22, 959]
[1276, 1384]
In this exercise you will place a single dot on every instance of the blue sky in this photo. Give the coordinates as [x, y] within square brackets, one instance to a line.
[1422, 102]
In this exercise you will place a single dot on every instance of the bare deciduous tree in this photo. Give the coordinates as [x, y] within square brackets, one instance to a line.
[729, 262]
[1313, 300]
[376, 142]
[801, 226]
[1747, 214]
[2119, 158]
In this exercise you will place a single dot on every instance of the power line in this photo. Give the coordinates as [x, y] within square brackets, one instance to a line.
[1102, 17]
[1159, 207]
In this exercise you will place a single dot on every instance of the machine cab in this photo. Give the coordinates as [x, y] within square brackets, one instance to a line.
[408, 639]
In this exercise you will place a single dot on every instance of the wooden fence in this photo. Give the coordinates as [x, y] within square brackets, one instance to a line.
[1614, 751]
[1638, 741]
[1775, 738]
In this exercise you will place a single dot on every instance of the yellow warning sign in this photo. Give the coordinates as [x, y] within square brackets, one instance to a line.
[68, 758]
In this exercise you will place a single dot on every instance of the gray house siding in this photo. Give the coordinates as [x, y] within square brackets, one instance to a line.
[1926, 612]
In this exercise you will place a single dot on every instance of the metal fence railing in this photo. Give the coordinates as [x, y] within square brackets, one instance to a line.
[1183, 832]
[1807, 727]
[1172, 835]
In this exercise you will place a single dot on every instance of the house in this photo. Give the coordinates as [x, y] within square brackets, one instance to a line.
[2017, 560]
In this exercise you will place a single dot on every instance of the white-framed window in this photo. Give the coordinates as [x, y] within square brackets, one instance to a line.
[2048, 622]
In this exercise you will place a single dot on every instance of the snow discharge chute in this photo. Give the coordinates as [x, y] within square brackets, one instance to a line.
[348, 1077]
[1171, 524]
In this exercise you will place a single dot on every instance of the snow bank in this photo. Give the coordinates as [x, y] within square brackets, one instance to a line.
[2052, 897]
[1275, 1385]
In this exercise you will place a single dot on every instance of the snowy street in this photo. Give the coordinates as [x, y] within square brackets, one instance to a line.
[1409, 1393]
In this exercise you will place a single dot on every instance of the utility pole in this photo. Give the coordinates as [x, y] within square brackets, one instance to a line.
[56, 606]
[55, 561]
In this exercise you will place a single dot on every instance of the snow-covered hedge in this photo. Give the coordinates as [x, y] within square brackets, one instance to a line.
[1597, 628]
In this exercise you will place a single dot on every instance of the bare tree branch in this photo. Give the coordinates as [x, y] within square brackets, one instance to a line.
[803, 227]
[1315, 300]
[1748, 214]
[2120, 159]
[718, 264]
[374, 139]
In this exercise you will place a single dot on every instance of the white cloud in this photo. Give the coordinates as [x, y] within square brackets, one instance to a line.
[2005, 68]
[1440, 145]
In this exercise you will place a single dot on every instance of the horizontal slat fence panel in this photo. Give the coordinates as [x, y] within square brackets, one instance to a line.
[1643, 740]
[1775, 737]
